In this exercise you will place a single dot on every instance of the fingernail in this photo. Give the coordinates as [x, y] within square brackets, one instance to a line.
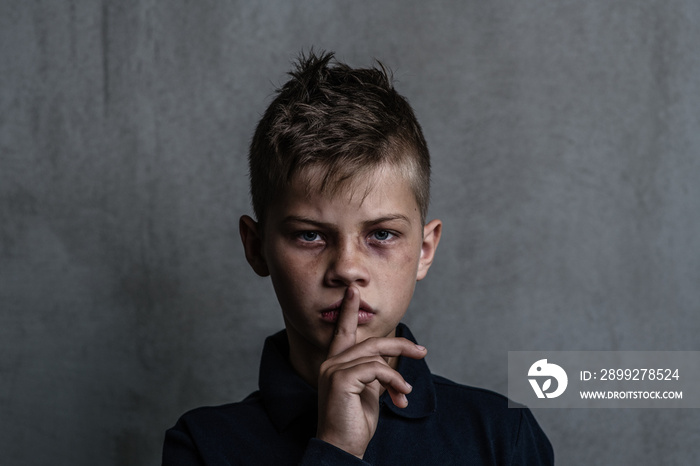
[410, 387]
[421, 348]
[350, 293]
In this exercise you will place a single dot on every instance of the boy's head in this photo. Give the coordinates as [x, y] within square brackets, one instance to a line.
[340, 180]
[332, 123]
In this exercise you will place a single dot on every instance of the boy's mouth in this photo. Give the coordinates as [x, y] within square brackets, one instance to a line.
[332, 312]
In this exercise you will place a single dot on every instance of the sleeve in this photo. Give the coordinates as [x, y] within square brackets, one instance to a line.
[320, 453]
[181, 449]
[532, 446]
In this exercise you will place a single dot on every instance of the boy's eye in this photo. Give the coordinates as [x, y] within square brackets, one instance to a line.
[309, 236]
[382, 235]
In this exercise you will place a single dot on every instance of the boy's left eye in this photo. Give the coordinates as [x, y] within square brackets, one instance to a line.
[309, 236]
[382, 235]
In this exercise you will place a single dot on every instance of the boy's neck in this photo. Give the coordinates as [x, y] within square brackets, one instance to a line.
[305, 358]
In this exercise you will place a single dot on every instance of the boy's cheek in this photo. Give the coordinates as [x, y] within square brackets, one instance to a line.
[408, 259]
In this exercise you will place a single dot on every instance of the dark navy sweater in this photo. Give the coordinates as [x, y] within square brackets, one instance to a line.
[444, 424]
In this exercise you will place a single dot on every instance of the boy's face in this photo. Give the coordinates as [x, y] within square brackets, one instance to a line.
[314, 246]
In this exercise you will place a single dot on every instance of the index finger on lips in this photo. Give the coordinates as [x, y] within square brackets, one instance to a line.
[346, 327]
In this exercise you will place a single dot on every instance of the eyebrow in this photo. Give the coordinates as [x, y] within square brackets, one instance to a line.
[366, 223]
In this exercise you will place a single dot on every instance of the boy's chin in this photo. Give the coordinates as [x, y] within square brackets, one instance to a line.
[366, 332]
[322, 337]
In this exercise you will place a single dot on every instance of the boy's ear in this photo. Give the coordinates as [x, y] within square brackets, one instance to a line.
[252, 244]
[431, 238]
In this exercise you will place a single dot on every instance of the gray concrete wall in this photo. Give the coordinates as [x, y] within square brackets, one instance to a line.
[565, 140]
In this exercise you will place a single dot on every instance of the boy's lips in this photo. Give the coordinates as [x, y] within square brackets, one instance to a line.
[330, 314]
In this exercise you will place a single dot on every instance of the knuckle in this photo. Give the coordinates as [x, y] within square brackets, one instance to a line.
[342, 331]
[378, 359]
[373, 343]
[379, 366]
[326, 368]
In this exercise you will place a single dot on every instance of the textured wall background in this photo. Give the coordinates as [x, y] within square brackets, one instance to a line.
[565, 138]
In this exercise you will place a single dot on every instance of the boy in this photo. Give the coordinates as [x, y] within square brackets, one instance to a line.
[340, 177]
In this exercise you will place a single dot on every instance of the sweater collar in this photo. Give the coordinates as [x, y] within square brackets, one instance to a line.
[287, 397]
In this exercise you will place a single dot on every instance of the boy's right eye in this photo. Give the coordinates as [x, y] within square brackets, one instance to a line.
[309, 236]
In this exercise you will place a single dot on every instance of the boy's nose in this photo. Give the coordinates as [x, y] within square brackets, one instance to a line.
[347, 266]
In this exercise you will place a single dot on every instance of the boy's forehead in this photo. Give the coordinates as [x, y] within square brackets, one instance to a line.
[382, 189]
[355, 187]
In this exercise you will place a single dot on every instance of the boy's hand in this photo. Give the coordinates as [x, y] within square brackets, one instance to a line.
[352, 377]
